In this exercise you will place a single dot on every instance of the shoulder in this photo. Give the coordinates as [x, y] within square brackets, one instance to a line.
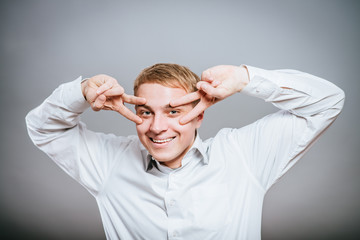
[107, 140]
[120, 141]
[271, 122]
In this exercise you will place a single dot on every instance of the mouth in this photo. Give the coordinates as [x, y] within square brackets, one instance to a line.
[160, 141]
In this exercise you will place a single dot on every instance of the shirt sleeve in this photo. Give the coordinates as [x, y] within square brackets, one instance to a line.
[55, 128]
[308, 105]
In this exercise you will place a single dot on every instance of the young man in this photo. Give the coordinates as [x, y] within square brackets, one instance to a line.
[167, 183]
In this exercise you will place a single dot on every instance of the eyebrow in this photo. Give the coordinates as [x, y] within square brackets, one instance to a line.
[148, 107]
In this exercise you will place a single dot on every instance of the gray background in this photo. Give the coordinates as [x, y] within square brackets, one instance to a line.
[45, 43]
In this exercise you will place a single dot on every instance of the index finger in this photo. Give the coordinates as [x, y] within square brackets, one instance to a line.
[196, 111]
[133, 99]
[115, 91]
[123, 110]
[186, 99]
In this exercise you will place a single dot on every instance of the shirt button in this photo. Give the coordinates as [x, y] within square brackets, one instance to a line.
[172, 203]
[175, 234]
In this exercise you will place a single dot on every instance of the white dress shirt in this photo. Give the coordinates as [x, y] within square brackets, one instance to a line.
[218, 191]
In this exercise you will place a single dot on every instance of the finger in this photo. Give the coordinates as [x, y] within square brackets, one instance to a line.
[205, 87]
[211, 91]
[186, 99]
[115, 91]
[109, 83]
[99, 103]
[207, 76]
[215, 83]
[133, 99]
[123, 110]
[195, 112]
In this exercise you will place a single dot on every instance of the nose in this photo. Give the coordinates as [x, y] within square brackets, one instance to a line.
[159, 124]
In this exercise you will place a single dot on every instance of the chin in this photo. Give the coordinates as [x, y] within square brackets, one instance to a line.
[163, 157]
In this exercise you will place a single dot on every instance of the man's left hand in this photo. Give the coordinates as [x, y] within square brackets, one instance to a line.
[217, 83]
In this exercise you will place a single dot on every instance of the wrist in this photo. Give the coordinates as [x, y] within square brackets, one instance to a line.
[243, 76]
[83, 87]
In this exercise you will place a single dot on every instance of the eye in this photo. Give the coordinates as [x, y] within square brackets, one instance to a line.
[173, 112]
[145, 113]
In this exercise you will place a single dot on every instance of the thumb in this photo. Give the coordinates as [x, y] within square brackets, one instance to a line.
[99, 102]
[207, 76]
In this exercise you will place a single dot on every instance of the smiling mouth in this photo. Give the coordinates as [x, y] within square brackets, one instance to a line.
[162, 140]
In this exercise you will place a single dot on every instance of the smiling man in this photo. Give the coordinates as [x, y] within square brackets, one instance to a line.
[160, 131]
[166, 183]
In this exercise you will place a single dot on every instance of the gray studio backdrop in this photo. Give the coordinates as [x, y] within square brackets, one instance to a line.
[46, 43]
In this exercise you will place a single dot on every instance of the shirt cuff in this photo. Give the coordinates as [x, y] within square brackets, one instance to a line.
[73, 97]
[259, 84]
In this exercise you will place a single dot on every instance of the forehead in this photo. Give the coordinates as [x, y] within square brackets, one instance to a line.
[154, 93]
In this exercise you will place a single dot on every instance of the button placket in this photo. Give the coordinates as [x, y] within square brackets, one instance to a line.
[171, 192]
[171, 181]
[172, 208]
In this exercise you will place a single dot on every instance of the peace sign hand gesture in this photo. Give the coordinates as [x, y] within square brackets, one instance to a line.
[104, 92]
[217, 83]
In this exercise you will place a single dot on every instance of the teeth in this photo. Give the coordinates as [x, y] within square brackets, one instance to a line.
[162, 141]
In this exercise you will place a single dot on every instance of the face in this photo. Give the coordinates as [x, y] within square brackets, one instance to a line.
[160, 132]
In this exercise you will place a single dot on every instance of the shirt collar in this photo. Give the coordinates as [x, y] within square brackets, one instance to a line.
[198, 146]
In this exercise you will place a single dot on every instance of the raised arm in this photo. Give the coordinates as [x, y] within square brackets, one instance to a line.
[271, 145]
[55, 128]
[298, 92]
[62, 109]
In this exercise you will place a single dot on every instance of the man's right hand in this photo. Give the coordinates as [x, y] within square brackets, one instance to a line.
[104, 92]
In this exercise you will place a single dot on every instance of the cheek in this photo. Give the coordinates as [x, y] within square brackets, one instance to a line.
[142, 128]
[174, 124]
[187, 130]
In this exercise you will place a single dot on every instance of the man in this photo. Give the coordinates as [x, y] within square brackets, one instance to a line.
[167, 183]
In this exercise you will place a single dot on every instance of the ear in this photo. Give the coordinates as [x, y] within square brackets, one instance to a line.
[199, 119]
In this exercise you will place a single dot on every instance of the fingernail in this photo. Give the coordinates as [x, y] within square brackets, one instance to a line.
[182, 122]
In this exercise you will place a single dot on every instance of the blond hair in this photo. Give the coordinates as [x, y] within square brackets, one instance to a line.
[169, 75]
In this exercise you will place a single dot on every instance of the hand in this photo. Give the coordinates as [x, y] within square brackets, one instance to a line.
[104, 92]
[217, 83]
